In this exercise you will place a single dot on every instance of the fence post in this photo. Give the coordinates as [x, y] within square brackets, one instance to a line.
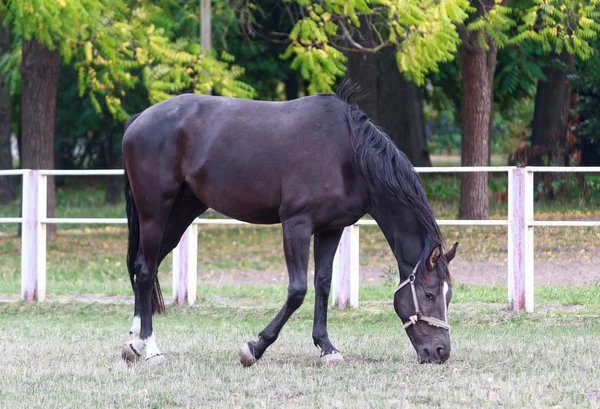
[520, 239]
[33, 236]
[529, 241]
[185, 267]
[345, 278]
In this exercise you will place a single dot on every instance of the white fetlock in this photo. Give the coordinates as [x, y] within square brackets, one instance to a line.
[334, 358]
[136, 327]
[151, 348]
[246, 357]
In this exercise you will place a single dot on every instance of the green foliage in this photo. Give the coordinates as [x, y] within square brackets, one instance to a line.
[493, 24]
[560, 25]
[110, 43]
[424, 33]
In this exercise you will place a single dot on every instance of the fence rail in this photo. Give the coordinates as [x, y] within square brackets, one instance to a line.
[345, 280]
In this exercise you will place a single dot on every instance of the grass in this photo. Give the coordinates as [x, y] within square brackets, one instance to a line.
[57, 355]
[67, 355]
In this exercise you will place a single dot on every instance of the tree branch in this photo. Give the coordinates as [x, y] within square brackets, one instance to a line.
[348, 37]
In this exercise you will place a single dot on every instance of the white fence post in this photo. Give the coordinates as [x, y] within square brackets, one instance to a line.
[185, 267]
[33, 236]
[529, 240]
[520, 239]
[345, 276]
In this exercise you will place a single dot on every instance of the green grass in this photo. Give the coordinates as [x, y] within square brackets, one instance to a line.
[57, 355]
[67, 355]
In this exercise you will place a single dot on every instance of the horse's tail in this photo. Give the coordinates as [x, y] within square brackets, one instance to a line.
[158, 304]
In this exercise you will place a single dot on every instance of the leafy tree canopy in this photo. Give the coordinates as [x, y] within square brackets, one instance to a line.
[115, 45]
[425, 33]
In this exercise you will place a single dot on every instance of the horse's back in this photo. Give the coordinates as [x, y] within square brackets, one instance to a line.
[270, 156]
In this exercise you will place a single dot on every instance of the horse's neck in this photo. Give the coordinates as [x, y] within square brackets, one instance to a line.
[402, 231]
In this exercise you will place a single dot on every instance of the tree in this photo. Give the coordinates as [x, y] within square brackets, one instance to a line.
[477, 58]
[39, 85]
[7, 184]
[551, 115]
[388, 98]
[391, 101]
[585, 81]
[108, 42]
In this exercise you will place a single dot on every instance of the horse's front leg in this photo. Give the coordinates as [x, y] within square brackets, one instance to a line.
[296, 243]
[326, 244]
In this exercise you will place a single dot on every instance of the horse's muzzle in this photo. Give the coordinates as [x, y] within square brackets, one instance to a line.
[437, 355]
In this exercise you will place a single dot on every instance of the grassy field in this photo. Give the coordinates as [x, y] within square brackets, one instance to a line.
[59, 355]
[67, 355]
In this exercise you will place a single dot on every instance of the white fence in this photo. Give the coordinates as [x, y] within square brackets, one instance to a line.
[345, 281]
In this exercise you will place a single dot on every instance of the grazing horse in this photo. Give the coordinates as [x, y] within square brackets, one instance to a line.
[316, 165]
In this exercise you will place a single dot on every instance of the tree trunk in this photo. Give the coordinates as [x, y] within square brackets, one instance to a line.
[362, 70]
[400, 105]
[291, 85]
[550, 122]
[551, 114]
[389, 100]
[477, 69]
[39, 84]
[7, 183]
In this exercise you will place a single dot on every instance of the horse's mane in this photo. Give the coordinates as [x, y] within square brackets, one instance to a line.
[387, 169]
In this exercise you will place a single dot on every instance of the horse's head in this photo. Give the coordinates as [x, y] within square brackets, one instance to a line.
[421, 301]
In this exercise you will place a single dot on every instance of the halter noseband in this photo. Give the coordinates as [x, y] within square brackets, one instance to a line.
[418, 316]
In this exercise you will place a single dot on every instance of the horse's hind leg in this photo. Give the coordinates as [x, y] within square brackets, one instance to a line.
[296, 243]
[153, 212]
[185, 209]
[326, 243]
[182, 213]
[151, 233]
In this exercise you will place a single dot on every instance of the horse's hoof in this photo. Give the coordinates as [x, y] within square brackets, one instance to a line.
[156, 360]
[246, 357]
[335, 358]
[129, 354]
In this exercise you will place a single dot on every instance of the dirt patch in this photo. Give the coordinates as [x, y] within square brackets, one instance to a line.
[556, 272]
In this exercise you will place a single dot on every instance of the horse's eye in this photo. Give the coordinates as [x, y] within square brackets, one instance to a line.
[429, 296]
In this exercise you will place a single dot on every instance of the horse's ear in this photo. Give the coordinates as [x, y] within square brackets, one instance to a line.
[451, 253]
[434, 257]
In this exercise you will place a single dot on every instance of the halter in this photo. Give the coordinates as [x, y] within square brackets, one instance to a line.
[418, 316]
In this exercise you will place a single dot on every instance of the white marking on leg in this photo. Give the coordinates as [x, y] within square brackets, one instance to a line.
[136, 326]
[446, 288]
[151, 347]
[136, 344]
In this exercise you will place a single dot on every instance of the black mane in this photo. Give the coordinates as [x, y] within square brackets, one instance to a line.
[386, 168]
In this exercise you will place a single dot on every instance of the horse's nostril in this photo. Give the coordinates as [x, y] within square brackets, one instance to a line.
[441, 352]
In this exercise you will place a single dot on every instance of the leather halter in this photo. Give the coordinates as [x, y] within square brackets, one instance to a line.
[418, 316]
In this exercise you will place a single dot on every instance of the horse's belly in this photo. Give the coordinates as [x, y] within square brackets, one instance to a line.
[256, 215]
[239, 196]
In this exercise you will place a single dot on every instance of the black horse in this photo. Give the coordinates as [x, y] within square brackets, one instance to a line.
[316, 165]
